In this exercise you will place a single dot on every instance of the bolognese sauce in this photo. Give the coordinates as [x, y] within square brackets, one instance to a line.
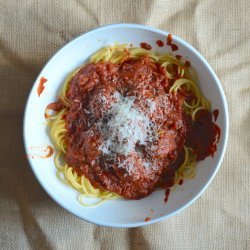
[126, 132]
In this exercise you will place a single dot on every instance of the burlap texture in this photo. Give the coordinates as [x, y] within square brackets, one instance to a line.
[32, 31]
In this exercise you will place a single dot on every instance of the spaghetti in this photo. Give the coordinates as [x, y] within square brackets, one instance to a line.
[181, 84]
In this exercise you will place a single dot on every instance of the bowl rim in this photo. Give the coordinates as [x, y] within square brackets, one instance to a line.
[224, 142]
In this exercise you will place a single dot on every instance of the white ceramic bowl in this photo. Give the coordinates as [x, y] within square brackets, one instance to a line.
[119, 213]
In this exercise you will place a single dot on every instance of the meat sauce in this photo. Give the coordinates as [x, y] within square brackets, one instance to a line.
[142, 79]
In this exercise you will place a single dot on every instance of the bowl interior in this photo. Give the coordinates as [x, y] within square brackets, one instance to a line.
[119, 213]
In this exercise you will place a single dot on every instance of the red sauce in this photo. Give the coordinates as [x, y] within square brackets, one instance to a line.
[170, 43]
[160, 43]
[175, 71]
[174, 47]
[203, 143]
[41, 87]
[50, 151]
[167, 192]
[169, 39]
[56, 106]
[178, 57]
[40, 152]
[181, 182]
[187, 64]
[140, 78]
[215, 113]
[217, 132]
[147, 219]
[84, 139]
[146, 46]
[167, 178]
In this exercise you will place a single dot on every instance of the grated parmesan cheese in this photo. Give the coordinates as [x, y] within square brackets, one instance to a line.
[127, 126]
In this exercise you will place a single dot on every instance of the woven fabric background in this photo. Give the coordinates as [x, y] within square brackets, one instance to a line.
[32, 31]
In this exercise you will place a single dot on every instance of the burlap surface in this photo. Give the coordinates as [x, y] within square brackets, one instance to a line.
[32, 31]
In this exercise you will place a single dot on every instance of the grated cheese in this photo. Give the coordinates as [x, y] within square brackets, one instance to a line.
[127, 126]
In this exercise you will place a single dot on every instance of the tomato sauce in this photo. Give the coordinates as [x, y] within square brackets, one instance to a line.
[169, 39]
[170, 43]
[180, 182]
[92, 90]
[84, 139]
[203, 135]
[167, 192]
[160, 43]
[146, 46]
[42, 152]
[41, 86]
[50, 151]
[174, 47]
[187, 64]
[215, 113]
[56, 106]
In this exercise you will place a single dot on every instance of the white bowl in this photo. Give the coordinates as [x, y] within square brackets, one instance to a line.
[119, 213]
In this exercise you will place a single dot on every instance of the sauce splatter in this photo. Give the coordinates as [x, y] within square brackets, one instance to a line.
[160, 43]
[181, 182]
[178, 57]
[169, 39]
[170, 43]
[41, 152]
[46, 115]
[187, 64]
[50, 151]
[146, 46]
[167, 192]
[147, 219]
[215, 113]
[203, 144]
[217, 132]
[56, 106]
[174, 47]
[41, 87]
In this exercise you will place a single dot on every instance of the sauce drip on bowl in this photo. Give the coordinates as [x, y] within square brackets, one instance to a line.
[146, 46]
[41, 86]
